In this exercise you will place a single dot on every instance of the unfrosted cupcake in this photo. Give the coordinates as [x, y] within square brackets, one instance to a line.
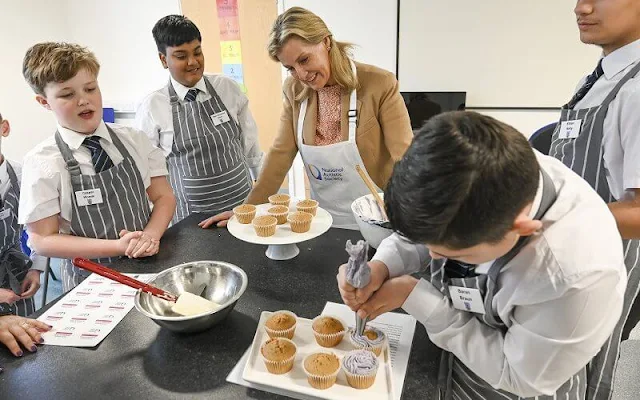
[265, 225]
[280, 212]
[372, 339]
[278, 355]
[307, 205]
[300, 221]
[245, 213]
[360, 368]
[321, 369]
[328, 331]
[281, 324]
[280, 199]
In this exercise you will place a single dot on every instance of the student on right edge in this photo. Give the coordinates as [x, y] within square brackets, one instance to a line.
[527, 277]
[598, 137]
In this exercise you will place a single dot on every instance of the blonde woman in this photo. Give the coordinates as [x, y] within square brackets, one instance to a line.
[337, 113]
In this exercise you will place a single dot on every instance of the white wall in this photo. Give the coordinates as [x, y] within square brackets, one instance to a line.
[501, 52]
[118, 31]
[23, 23]
[369, 24]
[527, 122]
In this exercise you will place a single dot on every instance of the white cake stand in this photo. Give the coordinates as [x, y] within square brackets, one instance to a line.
[282, 245]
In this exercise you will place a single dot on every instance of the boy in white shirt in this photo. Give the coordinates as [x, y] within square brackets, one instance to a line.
[202, 124]
[87, 189]
[19, 276]
[527, 277]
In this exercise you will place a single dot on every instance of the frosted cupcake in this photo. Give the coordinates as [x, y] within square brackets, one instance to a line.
[245, 213]
[328, 331]
[278, 355]
[265, 225]
[321, 369]
[300, 221]
[373, 340]
[280, 199]
[360, 368]
[281, 324]
[307, 205]
[280, 212]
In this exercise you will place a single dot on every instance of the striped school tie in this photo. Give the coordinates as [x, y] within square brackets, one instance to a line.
[99, 157]
[191, 95]
[588, 84]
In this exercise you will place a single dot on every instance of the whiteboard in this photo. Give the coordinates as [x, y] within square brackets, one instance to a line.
[369, 24]
[503, 53]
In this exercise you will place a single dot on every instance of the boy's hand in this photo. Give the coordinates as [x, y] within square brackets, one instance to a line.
[142, 245]
[219, 219]
[353, 297]
[7, 296]
[30, 284]
[14, 330]
[391, 295]
[125, 240]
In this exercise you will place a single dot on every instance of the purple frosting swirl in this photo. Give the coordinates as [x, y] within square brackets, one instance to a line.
[360, 362]
[365, 341]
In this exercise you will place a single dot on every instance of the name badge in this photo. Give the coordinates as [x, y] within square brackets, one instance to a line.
[219, 118]
[467, 299]
[570, 129]
[5, 213]
[88, 197]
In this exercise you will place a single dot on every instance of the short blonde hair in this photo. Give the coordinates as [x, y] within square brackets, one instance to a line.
[302, 23]
[56, 62]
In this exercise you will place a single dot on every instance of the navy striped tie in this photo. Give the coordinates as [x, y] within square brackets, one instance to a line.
[588, 84]
[99, 158]
[191, 95]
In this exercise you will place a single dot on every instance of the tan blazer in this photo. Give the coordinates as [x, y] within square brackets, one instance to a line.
[383, 132]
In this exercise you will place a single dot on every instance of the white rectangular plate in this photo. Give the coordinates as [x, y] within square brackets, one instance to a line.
[296, 381]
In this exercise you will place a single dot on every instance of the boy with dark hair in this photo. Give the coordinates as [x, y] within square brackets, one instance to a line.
[19, 276]
[87, 190]
[527, 277]
[202, 124]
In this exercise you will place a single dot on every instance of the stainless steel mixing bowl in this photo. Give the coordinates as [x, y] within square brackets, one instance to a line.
[223, 283]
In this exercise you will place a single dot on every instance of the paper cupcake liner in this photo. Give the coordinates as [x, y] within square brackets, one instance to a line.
[329, 339]
[284, 333]
[320, 381]
[245, 217]
[279, 202]
[265, 230]
[377, 349]
[310, 210]
[280, 217]
[360, 381]
[299, 226]
[280, 367]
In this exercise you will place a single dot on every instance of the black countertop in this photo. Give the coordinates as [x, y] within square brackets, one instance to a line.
[140, 360]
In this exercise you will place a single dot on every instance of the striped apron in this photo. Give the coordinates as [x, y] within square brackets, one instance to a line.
[455, 380]
[14, 264]
[125, 204]
[207, 167]
[584, 155]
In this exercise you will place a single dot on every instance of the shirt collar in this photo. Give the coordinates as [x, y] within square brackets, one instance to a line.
[182, 90]
[4, 174]
[537, 199]
[618, 60]
[74, 139]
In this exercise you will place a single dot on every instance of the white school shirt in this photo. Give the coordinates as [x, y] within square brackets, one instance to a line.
[560, 296]
[621, 136]
[155, 118]
[46, 183]
[39, 262]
